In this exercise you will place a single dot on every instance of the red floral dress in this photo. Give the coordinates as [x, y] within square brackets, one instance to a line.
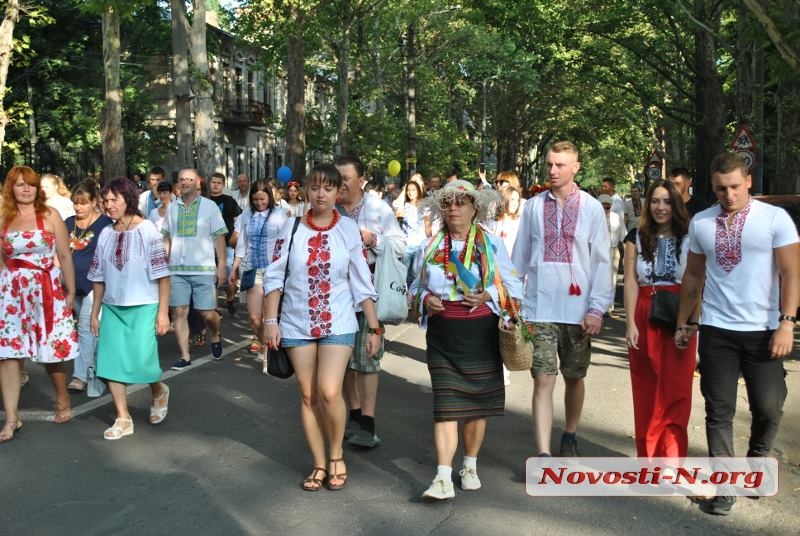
[35, 322]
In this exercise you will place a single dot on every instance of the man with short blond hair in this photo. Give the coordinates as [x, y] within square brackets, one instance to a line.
[563, 253]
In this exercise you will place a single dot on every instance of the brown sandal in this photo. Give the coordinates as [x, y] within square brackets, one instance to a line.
[311, 483]
[336, 476]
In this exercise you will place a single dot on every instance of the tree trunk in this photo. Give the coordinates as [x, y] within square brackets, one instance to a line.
[343, 71]
[180, 84]
[205, 134]
[113, 141]
[709, 103]
[295, 99]
[6, 48]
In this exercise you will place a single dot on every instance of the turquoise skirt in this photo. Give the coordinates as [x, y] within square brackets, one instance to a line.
[127, 350]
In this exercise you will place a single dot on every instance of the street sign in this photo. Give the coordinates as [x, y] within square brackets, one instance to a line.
[748, 157]
[654, 160]
[743, 140]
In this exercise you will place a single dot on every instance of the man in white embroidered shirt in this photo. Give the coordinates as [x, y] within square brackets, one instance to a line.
[194, 237]
[563, 250]
[378, 226]
[744, 264]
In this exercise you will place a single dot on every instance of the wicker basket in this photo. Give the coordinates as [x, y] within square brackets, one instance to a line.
[517, 353]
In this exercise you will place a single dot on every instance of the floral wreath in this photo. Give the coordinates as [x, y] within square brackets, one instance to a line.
[485, 201]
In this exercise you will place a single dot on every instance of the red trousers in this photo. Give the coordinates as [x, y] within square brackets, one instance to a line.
[661, 381]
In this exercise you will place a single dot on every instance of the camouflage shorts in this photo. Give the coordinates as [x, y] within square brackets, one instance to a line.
[565, 342]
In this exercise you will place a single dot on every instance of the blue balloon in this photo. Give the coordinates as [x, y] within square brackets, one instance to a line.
[284, 174]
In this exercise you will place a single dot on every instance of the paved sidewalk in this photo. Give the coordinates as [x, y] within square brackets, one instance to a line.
[230, 457]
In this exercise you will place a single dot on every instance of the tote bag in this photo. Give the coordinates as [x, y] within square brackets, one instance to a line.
[390, 283]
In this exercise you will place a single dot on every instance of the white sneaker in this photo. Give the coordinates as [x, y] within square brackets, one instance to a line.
[440, 489]
[469, 479]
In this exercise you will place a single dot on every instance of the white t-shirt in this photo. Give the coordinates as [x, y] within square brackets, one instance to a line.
[666, 268]
[742, 290]
[378, 217]
[130, 272]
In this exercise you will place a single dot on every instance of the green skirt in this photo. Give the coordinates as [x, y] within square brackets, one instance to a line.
[127, 350]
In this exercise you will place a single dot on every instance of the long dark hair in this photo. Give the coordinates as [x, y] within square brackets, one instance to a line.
[648, 234]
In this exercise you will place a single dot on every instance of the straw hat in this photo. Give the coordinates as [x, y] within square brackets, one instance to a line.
[484, 200]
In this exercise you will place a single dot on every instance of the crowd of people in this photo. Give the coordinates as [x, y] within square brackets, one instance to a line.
[119, 267]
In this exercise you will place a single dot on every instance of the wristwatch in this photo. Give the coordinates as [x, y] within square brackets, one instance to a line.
[790, 318]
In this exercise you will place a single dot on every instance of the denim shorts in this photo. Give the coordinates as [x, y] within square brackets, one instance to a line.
[199, 288]
[345, 339]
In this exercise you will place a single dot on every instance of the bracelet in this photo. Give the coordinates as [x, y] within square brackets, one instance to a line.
[790, 318]
[375, 331]
[270, 321]
[691, 323]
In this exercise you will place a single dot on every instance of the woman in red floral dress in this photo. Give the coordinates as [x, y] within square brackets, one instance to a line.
[35, 311]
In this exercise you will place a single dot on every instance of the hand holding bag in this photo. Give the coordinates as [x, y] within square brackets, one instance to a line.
[664, 309]
[278, 362]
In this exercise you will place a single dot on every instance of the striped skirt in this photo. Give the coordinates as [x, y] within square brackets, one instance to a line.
[464, 363]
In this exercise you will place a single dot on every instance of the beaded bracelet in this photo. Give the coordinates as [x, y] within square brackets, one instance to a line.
[375, 331]
[270, 321]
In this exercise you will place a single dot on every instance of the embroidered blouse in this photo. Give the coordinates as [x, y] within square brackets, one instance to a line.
[327, 277]
[256, 243]
[434, 279]
[665, 268]
[130, 263]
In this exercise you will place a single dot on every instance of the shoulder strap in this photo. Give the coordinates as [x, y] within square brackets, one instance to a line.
[40, 221]
[286, 270]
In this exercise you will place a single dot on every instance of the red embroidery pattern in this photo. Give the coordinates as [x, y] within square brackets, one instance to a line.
[319, 285]
[276, 253]
[728, 240]
[559, 241]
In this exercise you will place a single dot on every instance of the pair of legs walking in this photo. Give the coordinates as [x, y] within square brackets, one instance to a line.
[320, 370]
[10, 385]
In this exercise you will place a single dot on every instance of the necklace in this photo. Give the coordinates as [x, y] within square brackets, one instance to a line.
[322, 229]
[130, 221]
[448, 241]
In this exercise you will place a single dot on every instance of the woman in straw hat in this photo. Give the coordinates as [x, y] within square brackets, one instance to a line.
[465, 278]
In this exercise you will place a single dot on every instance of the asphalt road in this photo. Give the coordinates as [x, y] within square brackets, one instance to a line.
[231, 454]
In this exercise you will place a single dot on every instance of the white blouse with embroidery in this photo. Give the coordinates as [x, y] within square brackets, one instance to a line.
[437, 282]
[130, 263]
[245, 249]
[328, 276]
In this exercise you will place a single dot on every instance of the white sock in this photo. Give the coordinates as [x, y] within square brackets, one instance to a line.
[471, 462]
[444, 471]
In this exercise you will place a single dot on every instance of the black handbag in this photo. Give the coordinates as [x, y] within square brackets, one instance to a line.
[278, 362]
[248, 279]
[664, 309]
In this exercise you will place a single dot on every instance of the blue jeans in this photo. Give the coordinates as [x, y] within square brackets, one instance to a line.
[87, 343]
[410, 260]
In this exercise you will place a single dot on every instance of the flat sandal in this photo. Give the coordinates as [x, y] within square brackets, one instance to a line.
[336, 476]
[311, 483]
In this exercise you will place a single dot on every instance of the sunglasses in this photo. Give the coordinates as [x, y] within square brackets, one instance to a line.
[459, 201]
